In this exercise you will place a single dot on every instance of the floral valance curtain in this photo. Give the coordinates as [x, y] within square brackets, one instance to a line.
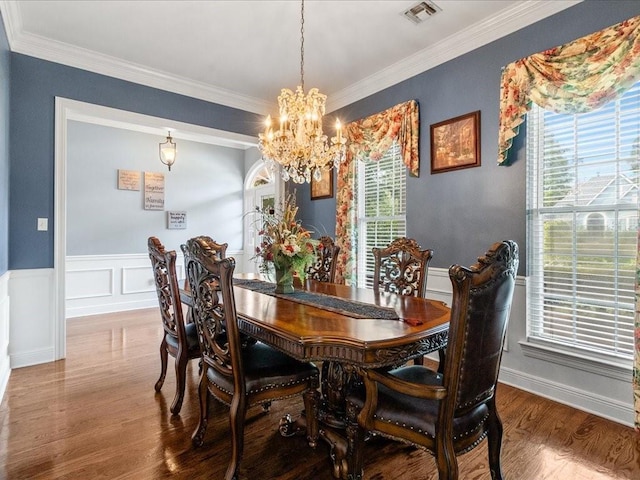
[370, 138]
[574, 78]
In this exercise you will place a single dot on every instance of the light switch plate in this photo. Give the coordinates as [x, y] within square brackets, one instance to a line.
[43, 224]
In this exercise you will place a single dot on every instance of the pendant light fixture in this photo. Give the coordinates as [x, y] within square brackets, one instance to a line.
[168, 151]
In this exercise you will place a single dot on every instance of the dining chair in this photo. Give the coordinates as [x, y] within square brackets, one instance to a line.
[324, 268]
[402, 267]
[179, 340]
[236, 376]
[450, 413]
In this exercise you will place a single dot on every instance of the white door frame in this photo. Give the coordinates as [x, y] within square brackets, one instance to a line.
[66, 109]
[251, 196]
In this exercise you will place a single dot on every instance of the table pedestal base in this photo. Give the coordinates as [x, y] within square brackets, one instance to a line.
[334, 437]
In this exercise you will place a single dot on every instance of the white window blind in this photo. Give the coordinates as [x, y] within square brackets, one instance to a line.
[582, 219]
[381, 194]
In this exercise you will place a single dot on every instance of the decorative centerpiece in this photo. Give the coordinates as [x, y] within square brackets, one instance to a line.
[286, 247]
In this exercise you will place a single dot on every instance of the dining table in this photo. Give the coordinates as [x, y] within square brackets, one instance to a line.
[346, 329]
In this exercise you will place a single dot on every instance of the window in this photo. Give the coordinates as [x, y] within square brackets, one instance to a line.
[381, 194]
[582, 218]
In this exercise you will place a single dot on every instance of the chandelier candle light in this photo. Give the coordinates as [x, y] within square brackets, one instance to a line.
[299, 145]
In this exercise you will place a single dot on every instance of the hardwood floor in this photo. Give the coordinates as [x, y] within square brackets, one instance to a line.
[95, 415]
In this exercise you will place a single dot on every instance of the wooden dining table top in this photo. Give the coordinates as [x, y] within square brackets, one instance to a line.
[315, 333]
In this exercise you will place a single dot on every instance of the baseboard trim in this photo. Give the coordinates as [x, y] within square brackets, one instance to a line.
[589, 402]
[34, 357]
[86, 311]
[5, 360]
[5, 373]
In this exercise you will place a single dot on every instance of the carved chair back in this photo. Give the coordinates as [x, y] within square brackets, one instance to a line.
[220, 250]
[324, 269]
[401, 267]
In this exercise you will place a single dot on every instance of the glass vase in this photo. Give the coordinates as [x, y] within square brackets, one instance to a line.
[284, 280]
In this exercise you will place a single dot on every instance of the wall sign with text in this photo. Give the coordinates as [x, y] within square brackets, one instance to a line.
[128, 180]
[176, 220]
[153, 191]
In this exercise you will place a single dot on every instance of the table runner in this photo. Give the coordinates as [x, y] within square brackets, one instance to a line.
[339, 305]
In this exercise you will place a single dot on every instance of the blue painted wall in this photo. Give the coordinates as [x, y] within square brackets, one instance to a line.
[5, 89]
[36, 84]
[459, 214]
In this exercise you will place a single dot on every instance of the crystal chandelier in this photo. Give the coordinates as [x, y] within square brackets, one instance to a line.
[298, 144]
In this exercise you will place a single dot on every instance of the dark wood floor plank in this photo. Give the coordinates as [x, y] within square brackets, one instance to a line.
[95, 415]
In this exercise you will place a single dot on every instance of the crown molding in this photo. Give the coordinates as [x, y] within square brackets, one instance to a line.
[65, 54]
[521, 15]
[508, 21]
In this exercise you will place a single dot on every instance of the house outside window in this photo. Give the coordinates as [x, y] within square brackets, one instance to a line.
[582, 218]
[381, 194]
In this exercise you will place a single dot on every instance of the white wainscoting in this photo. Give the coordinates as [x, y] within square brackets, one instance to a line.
[33, 323]
[98, 284]
[5, 361]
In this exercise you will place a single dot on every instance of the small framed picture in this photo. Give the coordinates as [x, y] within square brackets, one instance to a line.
[455, 143]
[176, 220]
[324, 187]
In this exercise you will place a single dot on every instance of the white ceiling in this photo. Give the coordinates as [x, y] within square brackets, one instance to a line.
[241, 53]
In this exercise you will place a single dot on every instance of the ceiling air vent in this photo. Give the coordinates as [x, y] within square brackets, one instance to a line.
[421, 11]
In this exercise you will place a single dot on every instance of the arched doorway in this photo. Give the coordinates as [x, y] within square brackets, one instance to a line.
[262, 189]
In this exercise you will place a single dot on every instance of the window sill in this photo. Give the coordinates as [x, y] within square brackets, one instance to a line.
[592, 364]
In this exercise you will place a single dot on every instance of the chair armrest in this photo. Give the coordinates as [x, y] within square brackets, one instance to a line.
[419, 390]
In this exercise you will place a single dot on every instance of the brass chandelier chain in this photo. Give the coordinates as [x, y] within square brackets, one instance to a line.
[302, 45]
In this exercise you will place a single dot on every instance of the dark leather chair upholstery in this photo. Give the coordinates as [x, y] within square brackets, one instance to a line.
[236, 376]
[324, 269]
[447, 414]
[179, 340]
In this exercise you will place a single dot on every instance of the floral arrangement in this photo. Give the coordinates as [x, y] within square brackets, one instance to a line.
[285, 243]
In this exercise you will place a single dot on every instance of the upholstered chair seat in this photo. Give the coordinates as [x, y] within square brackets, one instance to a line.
[191, 335]
[266, 370]
[419, 414]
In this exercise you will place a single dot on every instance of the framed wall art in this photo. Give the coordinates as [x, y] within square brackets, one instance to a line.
[455, 143]
[323, 188]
